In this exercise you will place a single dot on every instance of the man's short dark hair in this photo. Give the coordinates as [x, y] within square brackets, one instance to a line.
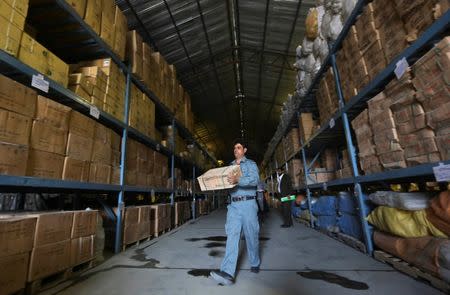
[241, 142]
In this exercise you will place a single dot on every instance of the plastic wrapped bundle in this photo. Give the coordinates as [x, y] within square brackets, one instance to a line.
[325, 205]
[298, 52]
[406, 224]
[327, 222]
[325, 25]
[310, 61]
[312, 24]
[347, 9]
[320, 48]
[307, 47]
[350, 224]
[406, 201]
[427, 253]
[335, 27]
[308, 80]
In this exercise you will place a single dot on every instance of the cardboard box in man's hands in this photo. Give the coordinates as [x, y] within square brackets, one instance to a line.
[216, 179]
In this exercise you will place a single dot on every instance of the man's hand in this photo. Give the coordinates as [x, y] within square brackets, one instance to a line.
[233, 178]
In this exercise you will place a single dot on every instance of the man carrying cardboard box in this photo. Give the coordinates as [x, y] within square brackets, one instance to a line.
[242, 215]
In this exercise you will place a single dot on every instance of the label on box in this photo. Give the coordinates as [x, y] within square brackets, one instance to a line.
[442, 172]
[401, 67]
[39, 82]
[106, 63]
[332, 123]
[94, 112]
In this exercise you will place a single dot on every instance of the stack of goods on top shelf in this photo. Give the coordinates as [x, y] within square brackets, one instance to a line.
[142, 112]
[136, 225]
[41, 59]
[407, 123]
[107, 20]
[280, 158]
[12, 20]
[160, 77]
[414, 227]
[182, 212]
[39, 245]
[291, 143]
[102, 154]
[323, 25]
[380, 33]
[326, 97]
[141, 168]
[345, 170]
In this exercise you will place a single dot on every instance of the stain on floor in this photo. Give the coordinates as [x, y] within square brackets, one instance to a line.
[334, 279]
[214, 245]
[216, 253]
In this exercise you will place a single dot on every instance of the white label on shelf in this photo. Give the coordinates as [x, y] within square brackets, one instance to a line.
[442, 172]
[39, 82]
[401, 67]
[332, 123]
[94, 112]
[106, 62]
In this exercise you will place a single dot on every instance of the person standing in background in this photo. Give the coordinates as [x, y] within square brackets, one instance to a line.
[285, 189]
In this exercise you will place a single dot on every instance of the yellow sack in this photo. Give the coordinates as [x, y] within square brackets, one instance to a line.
[407, 224]
[312, 24]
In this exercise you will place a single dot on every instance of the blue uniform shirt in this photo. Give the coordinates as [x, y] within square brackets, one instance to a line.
[249, 179]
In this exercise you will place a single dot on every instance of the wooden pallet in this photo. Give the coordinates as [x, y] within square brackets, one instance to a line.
[52, 280]
[411, 270]
[346, 239]
[162, 232]
[136, 243]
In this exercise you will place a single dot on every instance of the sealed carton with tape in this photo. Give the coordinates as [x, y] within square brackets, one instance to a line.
[216, 179]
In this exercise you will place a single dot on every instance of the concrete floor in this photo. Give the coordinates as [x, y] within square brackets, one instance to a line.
[178, 263]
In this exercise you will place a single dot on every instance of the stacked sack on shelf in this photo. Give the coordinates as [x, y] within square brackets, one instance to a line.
[414, 227]
[325, 210]
[323, 25]
[349, 220]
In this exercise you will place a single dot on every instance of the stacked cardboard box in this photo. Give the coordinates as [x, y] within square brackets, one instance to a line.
[114, 99]
[116, 147]
[84, 228]
[279, 155]
[203, 207]
[368, 158]
[291, 143]
[17, 236]
[148, 75]
[430, 75]
[93, 15]
[134, 53]
[17, 108]
[100, 166]
[179, 182]
[12, 20]
[79, 6]
[79, 147]
[345, 170]
[120, 33]
[51, 252]
[182, 212]
[81, 85]
[295, 168]
[107, 31]
[326, 97]
[307, 126]
[329, 159]
[386, 138]
[139, 164]
[48, 139]
[136, 225]
[161, 217]
[40, 58]
[142, 112]
[95, 76]
[160, 169]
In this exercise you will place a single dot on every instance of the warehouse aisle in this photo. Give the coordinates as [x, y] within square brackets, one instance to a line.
[178, 263]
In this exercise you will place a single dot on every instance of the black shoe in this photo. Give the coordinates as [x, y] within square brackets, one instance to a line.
[255, 269]
[222, 277]
[285, 226]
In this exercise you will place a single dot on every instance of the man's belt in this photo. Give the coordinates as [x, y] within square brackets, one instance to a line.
[243, 198]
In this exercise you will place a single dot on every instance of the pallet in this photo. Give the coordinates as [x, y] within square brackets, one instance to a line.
[346, 239]
[157, 234]
[52, 280]
[411, 270]
[136, 243]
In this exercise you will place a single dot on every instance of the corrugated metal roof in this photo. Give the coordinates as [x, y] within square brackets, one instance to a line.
[195, 36]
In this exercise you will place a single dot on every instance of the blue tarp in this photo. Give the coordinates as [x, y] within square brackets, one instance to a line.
[326, 221]
[325, 205]
[350, 225]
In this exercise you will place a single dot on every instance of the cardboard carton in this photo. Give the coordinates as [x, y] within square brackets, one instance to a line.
[52, 113]
[93, 14]
[44, 164]
[81, 80]
[16, 234]
[79, 6]
[13, 272]
[79, 147]
[84, 223]
[13, 159]
[14, 128]
[81, 125]
[216, 179]
[75, 170]
[46, 137]
[52, 227]
[49, 259]
[101, 153]
[81, 250]
[16, 97]
[99, 173]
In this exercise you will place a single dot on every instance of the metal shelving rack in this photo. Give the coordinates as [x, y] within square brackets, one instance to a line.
[340, 125]
[97, 48]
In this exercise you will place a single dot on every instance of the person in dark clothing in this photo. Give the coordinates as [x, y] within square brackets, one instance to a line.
[285, 189]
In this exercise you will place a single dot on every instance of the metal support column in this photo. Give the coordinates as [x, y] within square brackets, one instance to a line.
[352, 155]
[172, 164]
[308, 192]
[120, 201]
[193, 192]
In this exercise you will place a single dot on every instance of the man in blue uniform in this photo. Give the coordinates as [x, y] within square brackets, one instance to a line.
[242, 215]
